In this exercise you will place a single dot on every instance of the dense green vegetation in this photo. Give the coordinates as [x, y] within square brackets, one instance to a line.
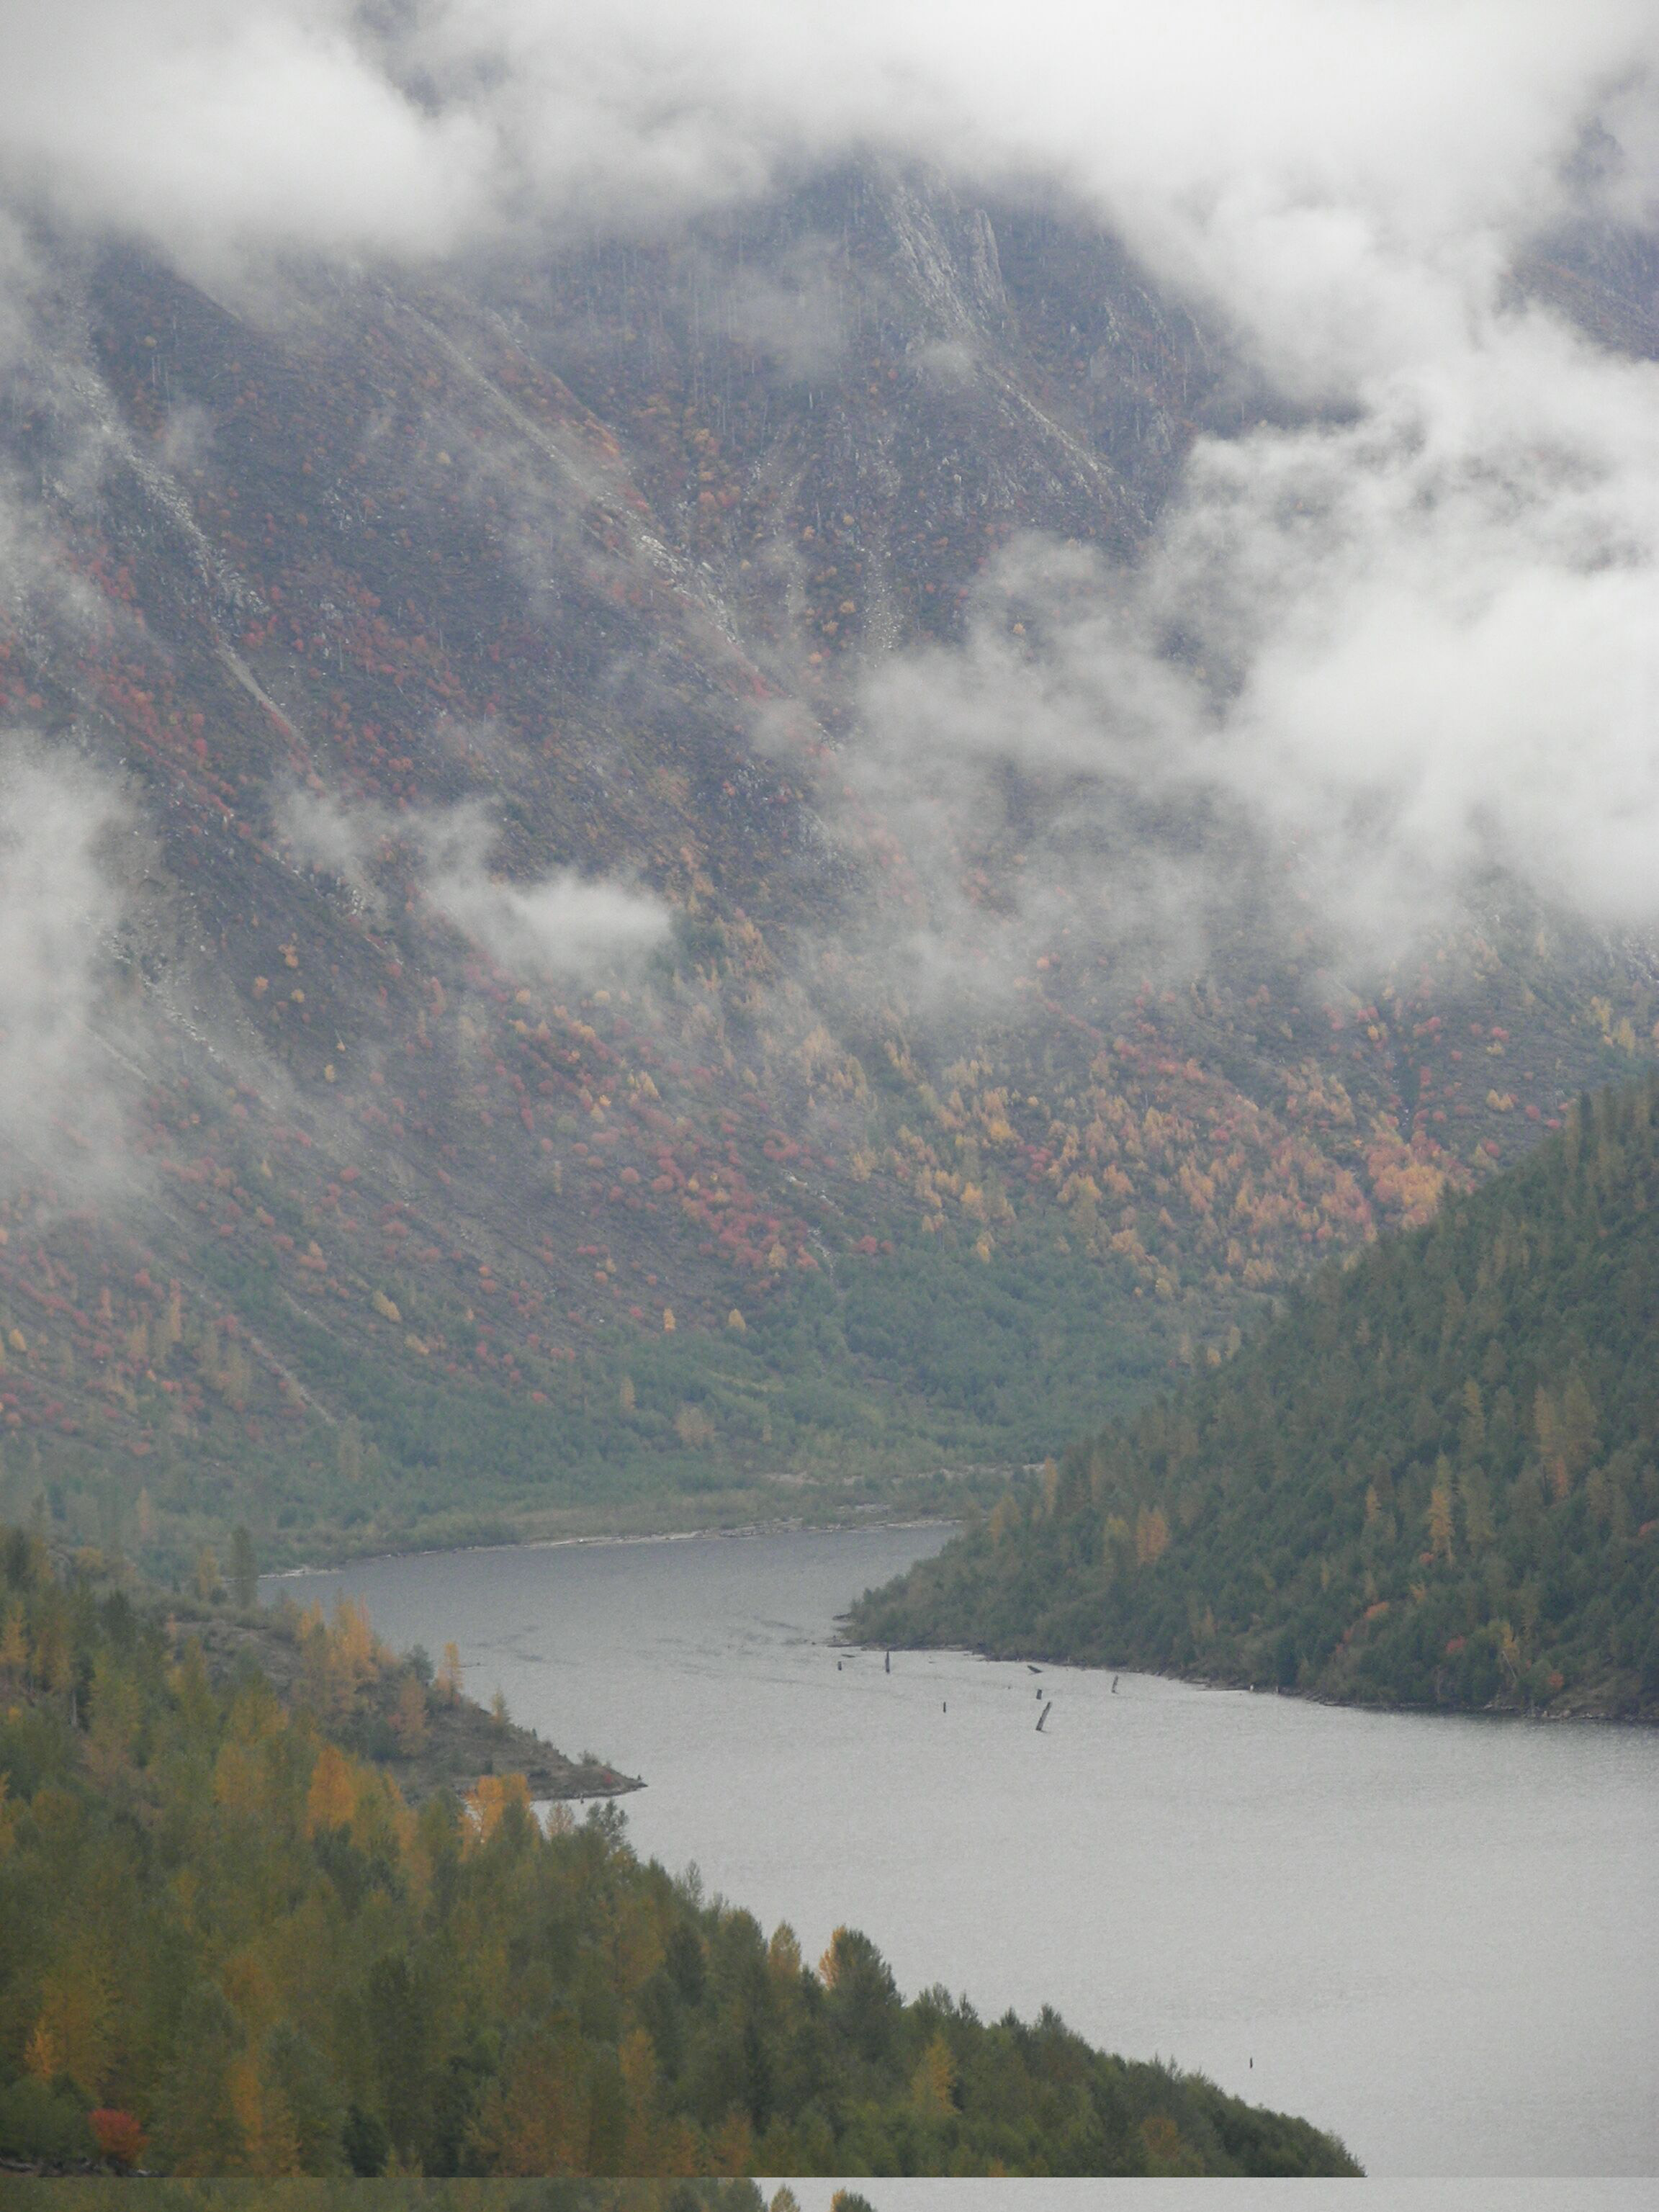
[229, 1945]
[857, 1384]
[1435, 1480]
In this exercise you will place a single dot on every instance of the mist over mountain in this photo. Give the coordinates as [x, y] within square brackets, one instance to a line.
[746, 752]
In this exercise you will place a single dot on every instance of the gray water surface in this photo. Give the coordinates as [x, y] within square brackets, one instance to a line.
[1437, 1936]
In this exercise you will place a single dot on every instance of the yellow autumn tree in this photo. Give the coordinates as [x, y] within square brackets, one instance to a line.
[1472, 1435]
[74, 2030]
[637, 2057]
[1566, 1432]
[14, 1645]
[332, 1797]
[1117, 1542]
[490, 1799]
[169, 1330]
[731, 2144]
[830, 1965]
[236, 1781]
[1578, 1426]
[271, 2141]
[1151, 1535]
[52, 1662]
[933, 2083]
[537, 2120]
[783, 1954]
[353, 1650]
[1166, 2151]
[409, 1716]
[115, 1706]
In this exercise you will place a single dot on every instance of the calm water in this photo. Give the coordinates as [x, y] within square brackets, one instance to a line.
[1438, 1937]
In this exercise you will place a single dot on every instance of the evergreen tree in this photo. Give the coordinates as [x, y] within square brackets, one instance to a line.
[244, 1570]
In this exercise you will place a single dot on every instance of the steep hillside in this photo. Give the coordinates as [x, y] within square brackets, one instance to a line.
[1435, 1481]
[539, 1069]
[229, 1946]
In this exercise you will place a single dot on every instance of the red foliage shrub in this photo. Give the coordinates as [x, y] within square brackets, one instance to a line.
[119, 2138]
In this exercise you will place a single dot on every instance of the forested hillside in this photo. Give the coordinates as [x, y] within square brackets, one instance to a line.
[92, 2195]
[229, 1944]
[522, 1049]
[1434, 1481]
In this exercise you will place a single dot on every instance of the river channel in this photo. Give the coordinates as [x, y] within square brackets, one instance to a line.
[1439, 1937]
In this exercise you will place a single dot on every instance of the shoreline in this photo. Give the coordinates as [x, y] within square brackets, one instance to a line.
[748, 1530]
[733, 1533]
[1249, 1689]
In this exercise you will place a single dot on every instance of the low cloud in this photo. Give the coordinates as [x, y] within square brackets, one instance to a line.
[1423, 620]
[1433, 631]
[336, 841]
[1324, 168]
[1398, 655]
[62, 1094]
[561, 924]
[214, 130]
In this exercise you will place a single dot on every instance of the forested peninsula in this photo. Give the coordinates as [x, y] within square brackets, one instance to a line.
[250, 1924]
[1432, 1482]
[92, 2194]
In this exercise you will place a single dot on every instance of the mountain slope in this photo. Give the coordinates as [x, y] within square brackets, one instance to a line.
[411, 651]
[1435, 1481]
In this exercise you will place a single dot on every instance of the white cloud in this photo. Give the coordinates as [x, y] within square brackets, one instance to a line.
[562, 924]
[1448, 658]
[59, 1105]
[1433, 622]
[1321, 165]
[1419, 645]
[212, 128]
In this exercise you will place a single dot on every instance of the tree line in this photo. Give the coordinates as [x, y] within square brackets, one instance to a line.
[1434, 1480]
[230, 1945]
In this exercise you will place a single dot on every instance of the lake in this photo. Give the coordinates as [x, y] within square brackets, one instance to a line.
[1435, 1936]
